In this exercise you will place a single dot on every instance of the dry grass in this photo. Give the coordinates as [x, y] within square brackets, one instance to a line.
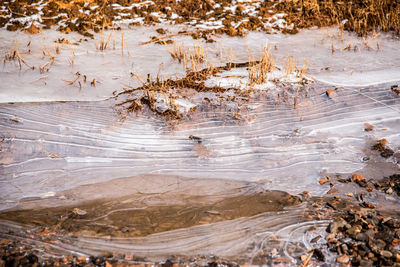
[103, 44]
[301, 72]
[177, 52]
[258, 72]
[192, 59]
[361, 16]
[13, 54]
[197, 56]
[289, 65]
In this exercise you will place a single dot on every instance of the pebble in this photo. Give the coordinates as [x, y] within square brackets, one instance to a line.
[344, 259]
[386, 254]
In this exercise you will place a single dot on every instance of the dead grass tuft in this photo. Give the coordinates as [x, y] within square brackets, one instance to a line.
[13, 54]
[258, 72]
[177, 52]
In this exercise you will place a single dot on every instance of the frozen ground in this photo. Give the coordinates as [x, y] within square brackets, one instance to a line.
[363, 63]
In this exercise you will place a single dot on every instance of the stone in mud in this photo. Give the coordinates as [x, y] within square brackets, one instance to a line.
[366, 263]
[167, 263]
[334, 227]
[387, 153]
[345, 248]
[368, 204]
[361, 237]
[376, 245]
[318, 254]
[359, 179]
[386, 254]
[315, 239]
[352, 231]
[380, 145]
[330, 238]
[343, 259]
[333, 191]
[79, 212]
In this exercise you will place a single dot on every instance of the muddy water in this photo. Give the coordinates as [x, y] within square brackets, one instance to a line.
[141, 213]
[101, 180]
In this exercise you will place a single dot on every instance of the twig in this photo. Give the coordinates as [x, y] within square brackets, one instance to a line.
[69, 82]
[307, 261]
[167, 36]
[38, 79]
[23, 15]
[23, 61]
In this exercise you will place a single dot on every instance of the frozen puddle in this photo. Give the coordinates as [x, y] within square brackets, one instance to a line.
[50, 147]
[90, 158]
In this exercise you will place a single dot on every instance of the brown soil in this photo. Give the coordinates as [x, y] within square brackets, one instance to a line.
[357, 15]
[87, 17]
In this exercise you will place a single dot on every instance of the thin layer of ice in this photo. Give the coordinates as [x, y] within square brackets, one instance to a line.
[366, 62]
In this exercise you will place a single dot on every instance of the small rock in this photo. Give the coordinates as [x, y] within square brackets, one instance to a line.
[369, 188]
[395, 89]
[345, 248]
[366, 263]
[196, 138]
[315, 239]
[359, 179]
[386, 254]
[387, 153]
[368, 127]
[368, 205]
[331, 93]
[333, 191]
[354, 230]
[319, 255]
[389, 191]
[82, 259]
[361, 237]
[344, 259]
[380, 145]
[79, 212]
[323, 181]
[330, 238]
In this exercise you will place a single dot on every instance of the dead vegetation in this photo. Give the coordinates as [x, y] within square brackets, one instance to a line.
[103, 42]
[177, 51]
[258, 72]
[360, 16]
[88, 17]
[154, 91]
[14, 55]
